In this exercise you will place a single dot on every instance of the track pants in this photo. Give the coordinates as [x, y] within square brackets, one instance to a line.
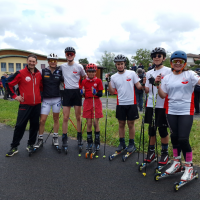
[26, 113]
[180, 127]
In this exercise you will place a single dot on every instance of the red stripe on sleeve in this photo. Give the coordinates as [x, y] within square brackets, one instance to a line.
[166, 104]
[192, 105]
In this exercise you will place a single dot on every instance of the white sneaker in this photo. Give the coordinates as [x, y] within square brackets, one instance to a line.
[188, 174]
[55, 140]
[175, 167]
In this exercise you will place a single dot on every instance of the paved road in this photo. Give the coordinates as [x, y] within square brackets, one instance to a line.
[48, 175]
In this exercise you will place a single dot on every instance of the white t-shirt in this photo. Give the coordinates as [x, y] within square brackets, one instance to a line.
[180, 90]
[72, 75]
[124, 84]
[159, 102]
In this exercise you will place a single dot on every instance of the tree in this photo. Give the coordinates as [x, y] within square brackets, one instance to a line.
[127, 63]
[197, 62]
[142, 56]
[107, 61]
[83, 61]
[167, 60]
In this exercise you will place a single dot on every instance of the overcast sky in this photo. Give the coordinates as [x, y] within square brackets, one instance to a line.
[95, 26]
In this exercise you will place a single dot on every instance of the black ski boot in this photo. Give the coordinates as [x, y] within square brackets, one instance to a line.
[65, 143]
[150, 155]
[89, 144]
[130, 149]
[80, 143]
[96, 146]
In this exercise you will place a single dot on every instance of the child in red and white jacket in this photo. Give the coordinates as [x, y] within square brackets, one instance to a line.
[92, 89]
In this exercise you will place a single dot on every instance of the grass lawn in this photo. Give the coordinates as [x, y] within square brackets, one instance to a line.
[8, 116]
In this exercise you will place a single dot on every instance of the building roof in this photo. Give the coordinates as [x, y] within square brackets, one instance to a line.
[193, 55]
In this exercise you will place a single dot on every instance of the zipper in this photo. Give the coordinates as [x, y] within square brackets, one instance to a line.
[33, 89]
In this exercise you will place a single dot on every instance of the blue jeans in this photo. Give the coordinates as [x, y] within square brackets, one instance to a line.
[139, 97]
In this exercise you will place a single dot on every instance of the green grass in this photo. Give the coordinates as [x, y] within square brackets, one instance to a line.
[8, 116]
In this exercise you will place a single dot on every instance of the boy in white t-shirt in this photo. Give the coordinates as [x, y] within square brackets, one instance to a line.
[123, 81]
[158, 56]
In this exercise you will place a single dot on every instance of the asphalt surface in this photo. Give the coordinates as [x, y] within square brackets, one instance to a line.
[53, 176]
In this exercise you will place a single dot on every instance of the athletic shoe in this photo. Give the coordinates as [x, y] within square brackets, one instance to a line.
[150, 156]
[12, 152]
[29, 147]
[164, 157]
[131, 148]
[175, 167]
[79, 138]
[39, 142]
[64, 140]
[188, 174]
[55, 140]
[121, 147]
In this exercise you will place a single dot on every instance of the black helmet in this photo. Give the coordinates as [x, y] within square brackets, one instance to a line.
[70, 49]
[120, 58]
[158, 50]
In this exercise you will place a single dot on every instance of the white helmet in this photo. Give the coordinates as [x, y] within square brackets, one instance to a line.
[52, 56]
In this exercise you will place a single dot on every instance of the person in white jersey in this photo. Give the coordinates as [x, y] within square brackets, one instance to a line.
[51, 79]
[123, 81]
[179, 87]
[158, 55]
[72, 73]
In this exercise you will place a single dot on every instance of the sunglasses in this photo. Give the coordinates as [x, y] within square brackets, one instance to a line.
[157, 55]
[53, 61]
[178, 61]
[70, 54]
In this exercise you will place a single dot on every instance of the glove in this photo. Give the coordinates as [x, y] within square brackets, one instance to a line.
[108, 79]
[152, 80]
[81, 91]
[94, 91]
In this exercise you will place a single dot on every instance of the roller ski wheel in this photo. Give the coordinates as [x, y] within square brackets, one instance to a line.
[160, 167]
[88, 150]
[111, 157]
[92, 155]
[176, 186]
[87, 154]
[124, 157]
[157, 176]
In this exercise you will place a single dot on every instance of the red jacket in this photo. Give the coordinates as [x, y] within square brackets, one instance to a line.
[30, 85]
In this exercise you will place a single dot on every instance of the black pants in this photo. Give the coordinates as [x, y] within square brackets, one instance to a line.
[196, 101]
[26, 113]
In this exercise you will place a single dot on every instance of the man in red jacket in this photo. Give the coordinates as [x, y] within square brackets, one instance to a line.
[29, 81]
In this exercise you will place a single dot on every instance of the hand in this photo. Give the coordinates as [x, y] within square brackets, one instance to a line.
[19, 98]
[158, 79]
[107, 76]
[144, 80]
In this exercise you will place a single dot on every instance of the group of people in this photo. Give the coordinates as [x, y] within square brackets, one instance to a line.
[170, 97]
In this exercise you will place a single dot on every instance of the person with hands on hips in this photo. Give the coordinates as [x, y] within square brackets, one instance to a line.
[92, 90]
[123, 81]
[178, 87]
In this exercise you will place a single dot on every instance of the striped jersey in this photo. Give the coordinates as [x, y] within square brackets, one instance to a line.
[124, 84]
[159, 102]
[180, 90]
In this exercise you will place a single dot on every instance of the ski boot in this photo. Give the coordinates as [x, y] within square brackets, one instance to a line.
[80, 143]
[174, 169]
[56, 143]
[151, 158]
[120, 149]
[164, 161]
[64, 144]
[39, 143]
[130, 149]
[188, 176]
[96, 146]
[89, 145]
[30, 149]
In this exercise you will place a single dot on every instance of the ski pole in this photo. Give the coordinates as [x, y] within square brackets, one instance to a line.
[106, 125]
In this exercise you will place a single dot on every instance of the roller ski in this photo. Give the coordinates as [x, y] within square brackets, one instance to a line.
[65, 143]
[120, 149]
[151, 158]
[164, 161]
[80, 143]
[130, 149]
[176, 168]
[89, 145]
[55, 143]
[189, 175]
[31, 149]
[96, 146]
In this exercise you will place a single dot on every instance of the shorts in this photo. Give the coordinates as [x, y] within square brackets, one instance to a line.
[47, 103]
[88, 110]
[72, 97]
[160, 117]
[127, 112]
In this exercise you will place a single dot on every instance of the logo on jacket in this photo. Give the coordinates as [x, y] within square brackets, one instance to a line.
[185, 81]
[162, 76]
[28, 78]
[95, 85]
[128, 78]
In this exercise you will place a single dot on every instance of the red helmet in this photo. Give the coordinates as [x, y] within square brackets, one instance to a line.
[91, 68]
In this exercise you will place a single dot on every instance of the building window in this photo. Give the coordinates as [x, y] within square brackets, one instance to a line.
[42, 66]
[3, 67]
[11, 67]
[18, 66]
[24, 65]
